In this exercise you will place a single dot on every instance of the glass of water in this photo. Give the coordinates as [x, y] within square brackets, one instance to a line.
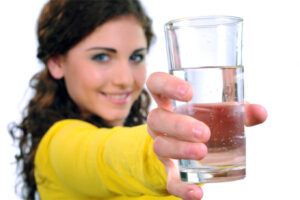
[207, 52]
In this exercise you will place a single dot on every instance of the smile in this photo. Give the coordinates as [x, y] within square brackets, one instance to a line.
[117, 98]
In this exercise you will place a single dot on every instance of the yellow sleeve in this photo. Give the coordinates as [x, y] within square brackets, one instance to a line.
[102, 162]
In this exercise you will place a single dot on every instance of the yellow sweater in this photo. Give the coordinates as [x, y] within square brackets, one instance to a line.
[76, 160]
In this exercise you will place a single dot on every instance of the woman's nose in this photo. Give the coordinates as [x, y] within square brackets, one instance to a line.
[122, 74]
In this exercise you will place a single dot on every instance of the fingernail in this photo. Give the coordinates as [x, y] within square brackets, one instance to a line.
[198, 131]
[191, 194]
[182, 89]
[197, 195]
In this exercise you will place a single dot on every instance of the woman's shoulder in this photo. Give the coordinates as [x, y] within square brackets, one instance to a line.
[74, 123]
[63, 129]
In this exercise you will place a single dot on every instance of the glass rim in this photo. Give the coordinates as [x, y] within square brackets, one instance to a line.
[215, 20]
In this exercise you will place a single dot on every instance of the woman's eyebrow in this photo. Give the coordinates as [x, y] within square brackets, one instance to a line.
[139, 50]
[114, 50]
[102, 48]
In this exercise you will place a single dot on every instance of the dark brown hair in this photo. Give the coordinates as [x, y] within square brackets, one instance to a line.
[62, 24]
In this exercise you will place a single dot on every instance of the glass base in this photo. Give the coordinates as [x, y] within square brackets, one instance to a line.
[213, 175]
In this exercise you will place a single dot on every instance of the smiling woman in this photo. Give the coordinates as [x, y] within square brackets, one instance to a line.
[105, 72]
[84, 133]
[95, 71]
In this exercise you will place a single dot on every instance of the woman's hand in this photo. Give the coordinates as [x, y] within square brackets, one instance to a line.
[180, 136]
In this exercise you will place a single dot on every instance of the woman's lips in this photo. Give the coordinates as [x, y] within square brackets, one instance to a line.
[118, 98]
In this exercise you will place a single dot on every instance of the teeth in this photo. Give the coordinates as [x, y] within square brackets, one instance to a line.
[114, 96]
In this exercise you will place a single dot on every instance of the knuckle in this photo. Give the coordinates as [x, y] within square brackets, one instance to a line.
[179, 124]
[149, 80]
[156, 145]
[196, 151]
[191, 151]
[152, 79]
[151, 119]
[206, 134]
[202, 151]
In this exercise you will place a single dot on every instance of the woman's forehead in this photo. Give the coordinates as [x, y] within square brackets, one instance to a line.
[125, 30]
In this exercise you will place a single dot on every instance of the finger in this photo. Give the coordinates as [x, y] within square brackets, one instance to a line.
[255, 114]
[182, 127]
[180, 189]
[168, 147]
[164, 87]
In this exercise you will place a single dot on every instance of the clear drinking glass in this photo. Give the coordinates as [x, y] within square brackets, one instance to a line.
[207, 52]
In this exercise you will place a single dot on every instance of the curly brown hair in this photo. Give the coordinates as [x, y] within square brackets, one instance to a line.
[61, 25]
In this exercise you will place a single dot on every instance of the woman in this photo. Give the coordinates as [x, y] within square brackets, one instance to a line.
[82, 135]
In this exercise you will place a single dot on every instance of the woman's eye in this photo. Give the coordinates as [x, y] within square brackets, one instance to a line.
[137, 58]
[101, 57]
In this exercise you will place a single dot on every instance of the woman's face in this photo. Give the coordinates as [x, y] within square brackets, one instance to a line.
[105, 72]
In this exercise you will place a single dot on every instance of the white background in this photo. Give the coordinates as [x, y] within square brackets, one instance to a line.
[271, 59]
